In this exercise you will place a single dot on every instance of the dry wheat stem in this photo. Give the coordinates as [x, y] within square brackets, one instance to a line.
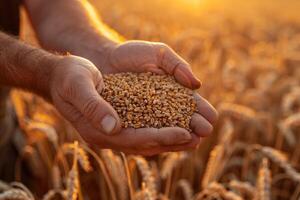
[244, 188]
[103, 170]
[147, 175]
[186, 188]
[73, 177]
[83, 158]
[263, 185]
[15, 194]
[117, 171]
[130, 185]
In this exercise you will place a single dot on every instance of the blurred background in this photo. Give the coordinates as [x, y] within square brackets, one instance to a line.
[247, 53]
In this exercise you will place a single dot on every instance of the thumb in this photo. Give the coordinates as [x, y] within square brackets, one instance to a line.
[94, 108]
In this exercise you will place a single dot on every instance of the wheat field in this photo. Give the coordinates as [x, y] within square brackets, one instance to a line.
[248, 57]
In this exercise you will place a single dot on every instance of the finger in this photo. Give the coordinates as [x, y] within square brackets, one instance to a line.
[193, 144]
[200, 125]
[92, 106]
[206, 109]
[153, 137]
[173, 64]
[80, 123]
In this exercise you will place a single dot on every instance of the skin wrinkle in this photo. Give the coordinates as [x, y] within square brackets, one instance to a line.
[11, 72]
[25, 66]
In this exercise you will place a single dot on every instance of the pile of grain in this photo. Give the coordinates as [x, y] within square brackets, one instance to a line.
[149, 100]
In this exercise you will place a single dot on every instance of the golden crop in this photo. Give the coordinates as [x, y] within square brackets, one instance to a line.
[147, 100]
[250, 69]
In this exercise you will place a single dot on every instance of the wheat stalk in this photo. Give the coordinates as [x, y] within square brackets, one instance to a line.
[280, 159]
[217, 189]
[210, 173]
[147, 175]
[263, 185]
[186, 188]
[73, 179]
[83, 158]
[116, 171]
[15, 194]
[172, 160]
[51, 194]
[244, 188]
[56, 177]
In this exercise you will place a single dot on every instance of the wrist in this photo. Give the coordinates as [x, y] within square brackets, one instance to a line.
[42, 82]
[98, 51]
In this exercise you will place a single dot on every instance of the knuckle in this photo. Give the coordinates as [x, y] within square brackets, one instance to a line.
[67, 87]
[90, 107]
[74, 117]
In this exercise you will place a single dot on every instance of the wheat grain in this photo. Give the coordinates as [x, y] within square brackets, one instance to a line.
[149, 100]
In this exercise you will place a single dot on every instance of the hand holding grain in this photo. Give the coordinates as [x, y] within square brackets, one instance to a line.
[75, 87]
[142, 56]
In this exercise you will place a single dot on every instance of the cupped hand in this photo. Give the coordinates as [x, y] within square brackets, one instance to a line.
[75, 85]
[142, 56]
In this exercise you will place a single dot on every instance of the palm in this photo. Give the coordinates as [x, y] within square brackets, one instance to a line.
[135, 56]
[141, 56]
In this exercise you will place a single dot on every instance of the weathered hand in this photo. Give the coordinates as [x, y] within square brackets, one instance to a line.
[75, 84]
[142, 56]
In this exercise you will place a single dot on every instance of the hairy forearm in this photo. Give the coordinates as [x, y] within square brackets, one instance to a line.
[70, 26]
[24, 66]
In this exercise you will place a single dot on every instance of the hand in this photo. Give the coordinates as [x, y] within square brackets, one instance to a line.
[75, 84]
[141, 56]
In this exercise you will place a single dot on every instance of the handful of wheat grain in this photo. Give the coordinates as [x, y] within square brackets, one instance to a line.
[149, 100]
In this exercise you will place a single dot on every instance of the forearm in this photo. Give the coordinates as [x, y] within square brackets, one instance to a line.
[73, 27]
[24, 66]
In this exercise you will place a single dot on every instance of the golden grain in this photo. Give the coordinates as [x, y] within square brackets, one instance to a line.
[149, 100]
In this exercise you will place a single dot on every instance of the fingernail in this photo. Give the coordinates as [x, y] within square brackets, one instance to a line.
[199, 84]
[108, 124]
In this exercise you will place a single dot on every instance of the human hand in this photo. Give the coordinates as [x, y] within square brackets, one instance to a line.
[141, 56]
[75, 84]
